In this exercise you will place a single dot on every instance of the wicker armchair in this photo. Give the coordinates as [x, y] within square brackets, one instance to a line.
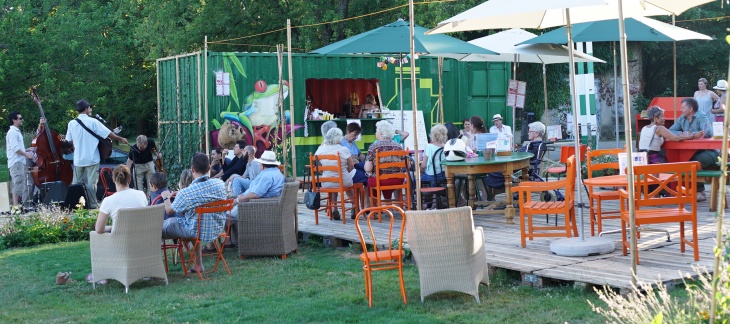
[448, 250]
[132, 250]
[267, 226]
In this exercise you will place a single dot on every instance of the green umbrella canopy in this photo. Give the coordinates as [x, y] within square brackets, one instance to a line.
[393, 39]
[637, 29]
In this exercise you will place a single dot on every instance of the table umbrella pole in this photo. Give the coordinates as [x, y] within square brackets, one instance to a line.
[400, 64]
[627, 135]
[544, 92]
[615, 92]
[414, 108]
[576, 129]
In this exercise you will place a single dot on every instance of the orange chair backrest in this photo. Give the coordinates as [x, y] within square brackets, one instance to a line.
[678, 189]
[386, 242]
[598, 166]
[391, 160]
[325, 162]
[570, 168]
[567, 151]
[218, 206]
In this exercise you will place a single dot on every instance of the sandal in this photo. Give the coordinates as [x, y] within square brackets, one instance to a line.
[335, 214]
[701, 196]
[63, 278]
[207, 250]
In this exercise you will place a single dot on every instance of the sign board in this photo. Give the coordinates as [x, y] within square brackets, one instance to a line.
[407, 118]
[639, 158]
[516, 91]
[222, 84]
[717, 129]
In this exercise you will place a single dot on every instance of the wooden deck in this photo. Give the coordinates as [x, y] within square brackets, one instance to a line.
[660, 260]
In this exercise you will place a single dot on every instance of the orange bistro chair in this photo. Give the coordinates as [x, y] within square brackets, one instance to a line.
[565, 153]
[215, 207]
[385, 255]
[106, 180]
[529, 207]
[317, 167]
[598, 197]
[677, 205]
[387, 160]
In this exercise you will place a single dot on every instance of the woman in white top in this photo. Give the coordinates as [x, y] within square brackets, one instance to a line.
[331, 145]
[439, 136]
[705, 98]
[500, 129]
[123, 198]
[652, 136]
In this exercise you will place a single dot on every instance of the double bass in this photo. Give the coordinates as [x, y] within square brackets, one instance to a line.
[49, 147]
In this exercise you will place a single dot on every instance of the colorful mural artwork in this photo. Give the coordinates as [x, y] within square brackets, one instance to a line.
[254, 119]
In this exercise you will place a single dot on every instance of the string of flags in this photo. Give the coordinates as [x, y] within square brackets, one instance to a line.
[385, 60]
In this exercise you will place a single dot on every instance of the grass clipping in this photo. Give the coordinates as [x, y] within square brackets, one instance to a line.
[649, 304]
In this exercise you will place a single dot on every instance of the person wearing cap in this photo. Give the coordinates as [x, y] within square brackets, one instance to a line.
[719, 108]
[86, 154]
[500, 128]
[705, 98]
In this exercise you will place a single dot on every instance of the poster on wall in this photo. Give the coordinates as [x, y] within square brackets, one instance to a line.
[222, 84]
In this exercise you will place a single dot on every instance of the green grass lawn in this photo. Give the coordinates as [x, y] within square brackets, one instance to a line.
[315, 285]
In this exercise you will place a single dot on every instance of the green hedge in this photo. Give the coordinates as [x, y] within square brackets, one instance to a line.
[47, 226]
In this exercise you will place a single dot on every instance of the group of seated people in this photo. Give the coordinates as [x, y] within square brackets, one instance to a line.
[199, 185]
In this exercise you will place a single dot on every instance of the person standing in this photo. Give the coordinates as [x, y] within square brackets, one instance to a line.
[719, 108]
[704, 97]
[86, 153]
[141, 154]
[499, 128]
[16, 154]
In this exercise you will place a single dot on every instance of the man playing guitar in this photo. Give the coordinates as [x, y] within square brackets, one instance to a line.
[86, 154]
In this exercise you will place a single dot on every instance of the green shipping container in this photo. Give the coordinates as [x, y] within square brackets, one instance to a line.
[242, 100]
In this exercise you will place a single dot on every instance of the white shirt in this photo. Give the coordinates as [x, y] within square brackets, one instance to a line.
[86, 152]
[128, 198]
[506, 130]
[14, 143]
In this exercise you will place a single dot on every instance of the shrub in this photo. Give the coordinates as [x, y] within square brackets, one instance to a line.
[49, 225]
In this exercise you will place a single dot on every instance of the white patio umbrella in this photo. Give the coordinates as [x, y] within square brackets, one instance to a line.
[542, 14]
[505, 43]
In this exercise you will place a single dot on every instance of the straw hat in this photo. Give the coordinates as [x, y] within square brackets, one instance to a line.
[497, 116]
[268, 158]
[721, 85]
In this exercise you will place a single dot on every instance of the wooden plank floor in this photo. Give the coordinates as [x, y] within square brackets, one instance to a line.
[659, 260]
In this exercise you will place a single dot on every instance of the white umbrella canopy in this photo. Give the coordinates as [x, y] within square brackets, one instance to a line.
[543, 14]
[505, 42]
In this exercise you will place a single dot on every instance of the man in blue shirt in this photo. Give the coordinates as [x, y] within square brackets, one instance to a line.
[268, 183]
[201, 191]
[696, 122]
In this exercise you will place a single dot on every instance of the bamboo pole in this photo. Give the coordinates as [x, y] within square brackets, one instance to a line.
[414, 106]
[720, 212]
[280, 104]
[205, 94]
[441, 89]
[291, 101]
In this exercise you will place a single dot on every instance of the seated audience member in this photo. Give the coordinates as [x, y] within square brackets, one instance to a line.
[477, 127]
[201, 191]
[439, 136]
[331, 145]
[453, 132]
[353, 131]
[238, 164]
[158, 184]
[384, 133]
[652, 136]
[123, 198]
[186, 178]
[241, 184]
[218, 162]
[535, 134]
[466, 132]
[326, 126]
[268, 183]
[692, 122]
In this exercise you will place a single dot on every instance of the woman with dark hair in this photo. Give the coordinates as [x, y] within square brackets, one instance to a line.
[477, 127]
[123, 198]
[652, 136]
[466, 132]
[451, 131]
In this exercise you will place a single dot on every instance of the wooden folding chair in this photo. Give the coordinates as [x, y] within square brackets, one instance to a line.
[215, 207]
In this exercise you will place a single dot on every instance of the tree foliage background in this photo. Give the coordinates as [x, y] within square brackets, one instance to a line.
[105, 51]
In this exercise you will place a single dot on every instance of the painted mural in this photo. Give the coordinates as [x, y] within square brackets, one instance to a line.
[255, 118]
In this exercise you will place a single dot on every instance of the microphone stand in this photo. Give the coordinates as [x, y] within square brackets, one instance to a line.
[133, 171]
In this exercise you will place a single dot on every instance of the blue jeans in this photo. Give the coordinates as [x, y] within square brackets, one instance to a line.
[433, 179]
[239, 186]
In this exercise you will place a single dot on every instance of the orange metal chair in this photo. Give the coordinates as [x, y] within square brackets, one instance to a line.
[215, 207]
[172, 244]
[384, 255]
[335, 165]
[528, 206]
[680, 189]
[595, 197]
[391, 160]
[565, 153]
